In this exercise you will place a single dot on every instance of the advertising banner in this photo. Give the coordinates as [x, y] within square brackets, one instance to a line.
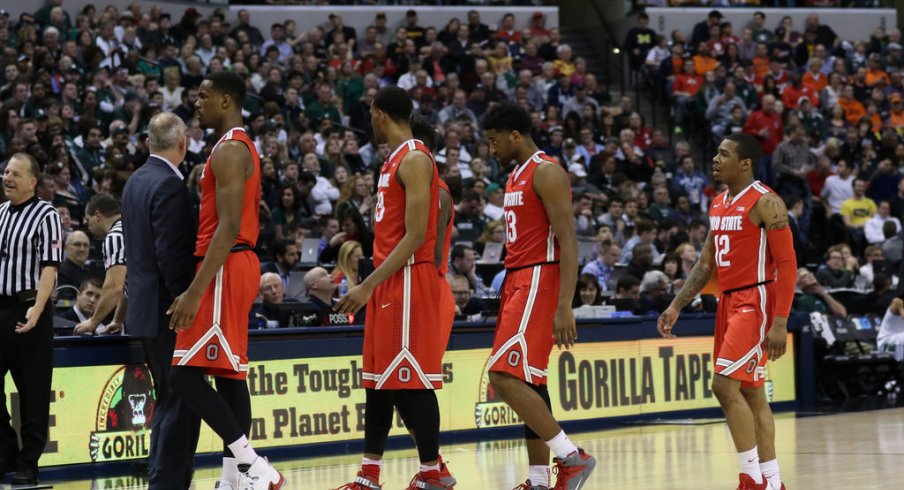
[104, 413]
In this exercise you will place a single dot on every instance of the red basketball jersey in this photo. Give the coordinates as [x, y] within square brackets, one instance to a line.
[741, 250]
[389, 216]
[529, 239]
[447, 242]
[208, 219]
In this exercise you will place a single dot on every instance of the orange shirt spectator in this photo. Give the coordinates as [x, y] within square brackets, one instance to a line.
[816, 81]
[876, 76]
[677, 65]
[704, 63]
[761, 66]
[853, 109]
[875, 121]
[897, 111]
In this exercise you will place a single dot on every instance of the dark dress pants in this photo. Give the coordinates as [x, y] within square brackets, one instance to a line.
[175, 426]
[29, 358]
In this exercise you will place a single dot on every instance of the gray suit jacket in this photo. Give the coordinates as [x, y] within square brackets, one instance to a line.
[160, 229]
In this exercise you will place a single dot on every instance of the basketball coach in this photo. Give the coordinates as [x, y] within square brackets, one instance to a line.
[160, 228]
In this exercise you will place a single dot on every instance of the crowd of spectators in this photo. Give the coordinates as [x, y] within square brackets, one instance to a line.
[79, 87]
[829, 117]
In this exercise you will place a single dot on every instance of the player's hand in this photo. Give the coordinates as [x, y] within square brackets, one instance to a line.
[777, 338]
[31, 318]
[83, 328]
[114, 328]
[666, 321]
[183, 311]
[354, 299]
[564, 329]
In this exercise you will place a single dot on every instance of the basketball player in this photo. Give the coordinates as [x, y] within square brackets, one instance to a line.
[535, 304]
[750, 248]
[402, 355]
[211, 317]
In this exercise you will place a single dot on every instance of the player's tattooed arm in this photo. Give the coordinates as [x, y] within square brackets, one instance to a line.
[772, 211]
[699, 275]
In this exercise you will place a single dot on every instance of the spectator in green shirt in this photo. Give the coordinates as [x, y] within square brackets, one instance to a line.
[661, 208]
[324, 107]
[814, 298]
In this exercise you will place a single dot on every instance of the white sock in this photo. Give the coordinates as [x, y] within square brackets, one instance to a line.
[561, 446]
[771, 473]
[538, 475]
[230, 473]
[750, 464]
[429, 467]
[375, 462]
[242, 450]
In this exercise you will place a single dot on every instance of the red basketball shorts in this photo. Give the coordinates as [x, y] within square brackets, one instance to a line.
[403, 348]
[217, 341]
[524, 328]
[742, 320]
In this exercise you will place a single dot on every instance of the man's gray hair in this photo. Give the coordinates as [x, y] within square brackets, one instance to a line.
[164, 132]
[652, 279]
[266, 276]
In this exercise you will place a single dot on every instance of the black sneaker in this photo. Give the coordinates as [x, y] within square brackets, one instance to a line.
[25, 477]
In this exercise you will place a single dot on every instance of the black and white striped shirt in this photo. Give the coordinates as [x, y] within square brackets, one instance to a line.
[31, 236]
[114, 246]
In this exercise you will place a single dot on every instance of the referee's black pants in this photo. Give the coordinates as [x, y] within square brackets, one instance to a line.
[29, 358]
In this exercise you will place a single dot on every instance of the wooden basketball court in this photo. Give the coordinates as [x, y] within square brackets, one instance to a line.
[860, 451]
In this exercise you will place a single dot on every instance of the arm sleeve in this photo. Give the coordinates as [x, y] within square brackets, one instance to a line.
[114, 250]
[781, 246]
[50, 245]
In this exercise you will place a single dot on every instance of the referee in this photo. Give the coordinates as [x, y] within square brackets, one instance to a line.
[30, 251]
[104, 221]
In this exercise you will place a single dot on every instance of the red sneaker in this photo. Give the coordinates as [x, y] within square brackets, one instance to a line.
[745, 482]
[433, 480]
[362, 483]
[572, 471]
[529, 486]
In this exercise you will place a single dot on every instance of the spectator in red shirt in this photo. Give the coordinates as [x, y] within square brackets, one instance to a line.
[793, 92]
[507, 31]
[728, 37]
[766, 125]
[684, 90]
[537, 27]
[643, 136]
[778, 72]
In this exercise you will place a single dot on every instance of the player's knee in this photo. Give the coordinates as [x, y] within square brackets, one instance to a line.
[543, 391]
[725, 388]
[756, 398]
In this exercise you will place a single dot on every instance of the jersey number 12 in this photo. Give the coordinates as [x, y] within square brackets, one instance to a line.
[723, 246]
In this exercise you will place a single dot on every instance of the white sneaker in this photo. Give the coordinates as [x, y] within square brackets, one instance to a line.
[223, 485]
[260, 476]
